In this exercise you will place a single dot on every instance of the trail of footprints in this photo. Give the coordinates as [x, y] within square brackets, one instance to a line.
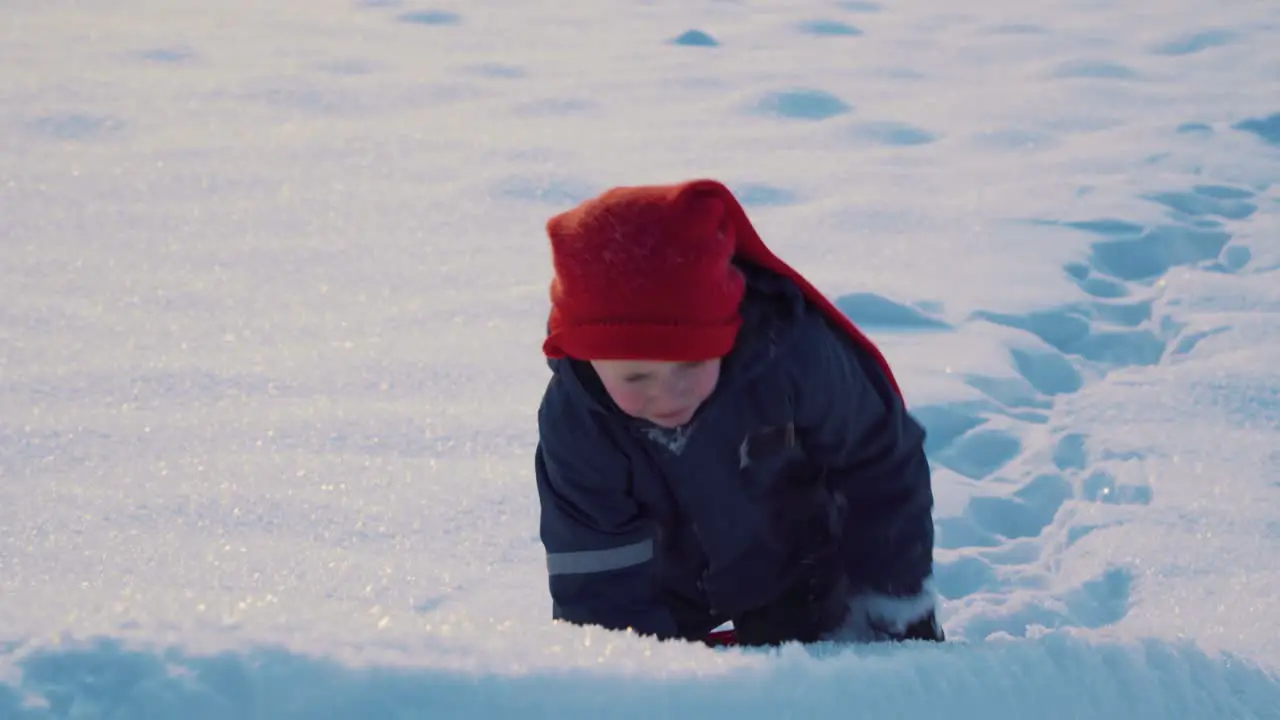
[1021, 528]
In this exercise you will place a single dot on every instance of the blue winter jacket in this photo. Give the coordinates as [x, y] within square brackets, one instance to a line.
[672, 532]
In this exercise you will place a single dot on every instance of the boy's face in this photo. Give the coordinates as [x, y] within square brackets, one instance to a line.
[665, 393]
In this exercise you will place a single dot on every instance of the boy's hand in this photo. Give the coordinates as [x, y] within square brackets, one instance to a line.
[926, 628]
[815, 604]
[884, 618]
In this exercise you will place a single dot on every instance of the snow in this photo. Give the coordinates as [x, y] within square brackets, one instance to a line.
[274, 282]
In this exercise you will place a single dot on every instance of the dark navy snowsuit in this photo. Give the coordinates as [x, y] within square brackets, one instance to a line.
[802, 461]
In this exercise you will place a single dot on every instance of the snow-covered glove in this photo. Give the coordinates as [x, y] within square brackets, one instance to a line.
[886, 618]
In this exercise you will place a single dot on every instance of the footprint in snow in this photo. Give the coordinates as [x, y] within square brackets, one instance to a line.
[76, 126]
[559, 191]
[800, 104]
[350, 67]
[175, 55]
[980, 453]
[497, 71]
[1070, 452]
[1194, 128]
[1097, 603]
[553, 107]
[1266, 128]
[763, 195]
[695, 38]
[1026, 512]
[1196, 42]
[946, 422]
[964, 576]
[1013, 139]
[430, 17]
[876, 312]
[1018, 29]
[894, 134]
[1188, 342]
[860, 6]
[1092, 70]
[1222, 201]
[827, 28]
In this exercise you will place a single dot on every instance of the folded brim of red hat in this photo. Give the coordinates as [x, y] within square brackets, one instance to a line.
[644, 341]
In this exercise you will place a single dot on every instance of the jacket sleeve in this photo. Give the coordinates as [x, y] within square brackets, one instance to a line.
[600, 548]
[855, 424]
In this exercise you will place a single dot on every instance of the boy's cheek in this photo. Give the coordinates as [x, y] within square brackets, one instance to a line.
[708, 378]
[630, 401]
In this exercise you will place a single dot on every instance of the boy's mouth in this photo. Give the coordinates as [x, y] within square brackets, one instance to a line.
[672, 418]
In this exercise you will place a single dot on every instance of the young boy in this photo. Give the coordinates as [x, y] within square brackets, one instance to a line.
[717, 441]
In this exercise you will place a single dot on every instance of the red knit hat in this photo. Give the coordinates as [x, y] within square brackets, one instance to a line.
[646, 272]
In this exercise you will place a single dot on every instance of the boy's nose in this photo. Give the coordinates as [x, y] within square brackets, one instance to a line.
[676, 386]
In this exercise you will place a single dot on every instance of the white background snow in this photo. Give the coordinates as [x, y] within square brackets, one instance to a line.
[273, 282]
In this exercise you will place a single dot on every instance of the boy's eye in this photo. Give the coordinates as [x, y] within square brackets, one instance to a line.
[637, 378]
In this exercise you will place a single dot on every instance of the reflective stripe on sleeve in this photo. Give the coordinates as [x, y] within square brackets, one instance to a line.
[594, 561]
